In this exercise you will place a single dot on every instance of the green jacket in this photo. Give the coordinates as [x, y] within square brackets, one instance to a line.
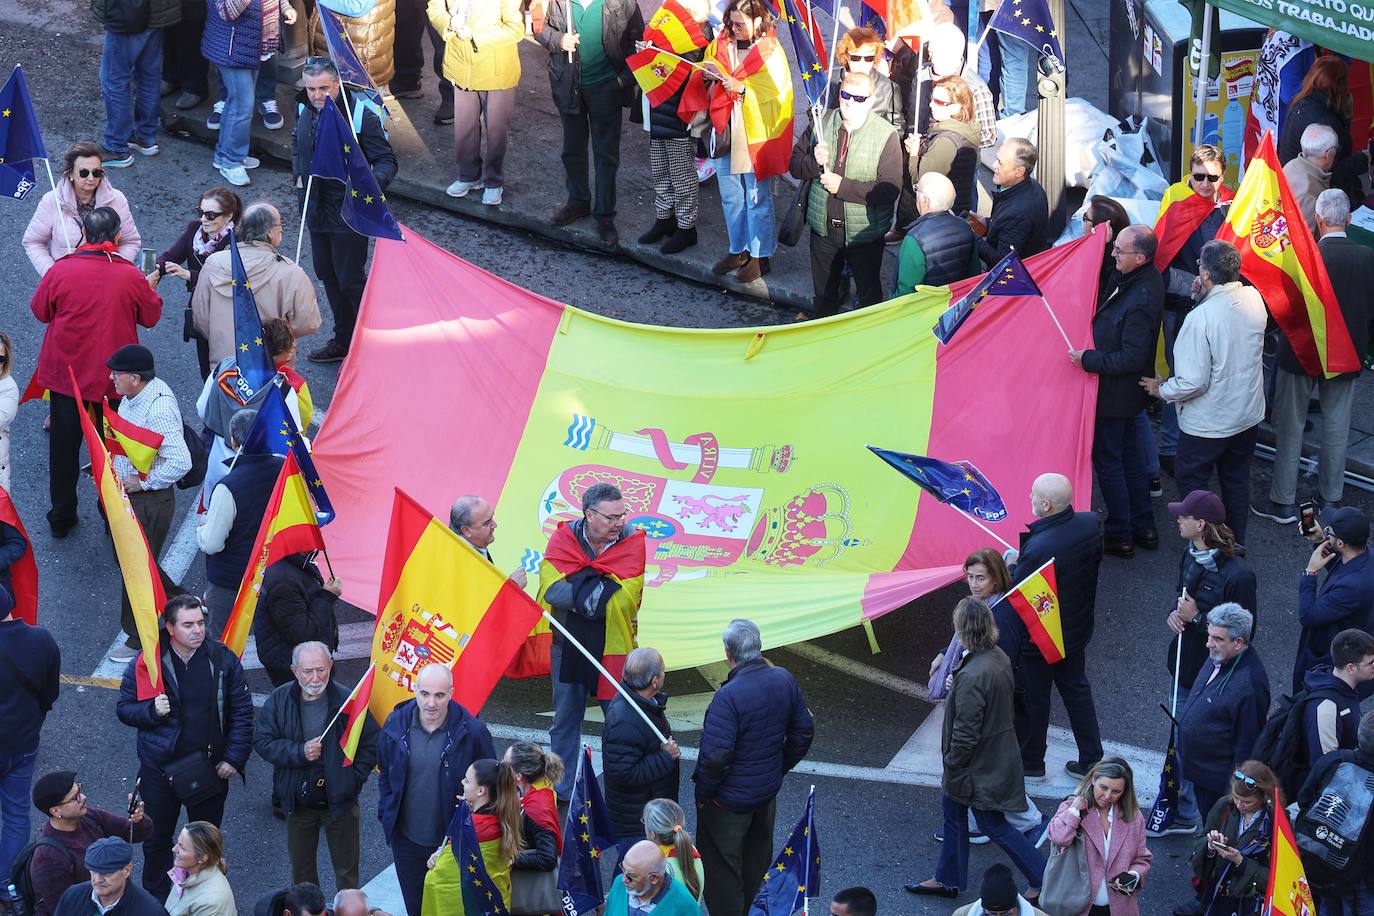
[161, 13]
[868, 196]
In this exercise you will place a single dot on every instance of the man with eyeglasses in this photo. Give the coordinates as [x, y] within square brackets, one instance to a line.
[72, 827]
[855, 170]
[473, 519]
[592, 581]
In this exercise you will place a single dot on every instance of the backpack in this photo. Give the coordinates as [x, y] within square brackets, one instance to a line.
[1332, 831]
[19, 872]
[1281, 744]
[200, 459]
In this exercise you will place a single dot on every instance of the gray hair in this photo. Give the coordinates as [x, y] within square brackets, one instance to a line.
[460, 516]
[1221, 260]
[314, 66]
[742, 640]
[938, 191]
[257, 222]
[641, 667]
[1364, 736]
[600, 493]
[342, 898]
[307, 646]
[1333, 207]
[1025, 152]
[662, 818]
[1233, 618]
[240, 423]
[1317, 139]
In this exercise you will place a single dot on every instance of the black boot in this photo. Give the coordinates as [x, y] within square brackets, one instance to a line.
[662, 228]
[680, 241]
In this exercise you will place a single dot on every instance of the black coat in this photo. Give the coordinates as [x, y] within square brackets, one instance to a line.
[636, 766]
[1125, 335]
[76, 901]
[1311, 790]
[1221, 719]
[326, 197]
[1349, 164]
[293, 608]
[1074, 541]
[1020, 219]
[1350, 266]
[280, 740]
[622, 24]
[541, 846]
[1234, 580]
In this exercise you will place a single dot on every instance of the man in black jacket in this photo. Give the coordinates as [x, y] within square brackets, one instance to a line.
[296, 606]
[30, 665]
[200, 726]
[338, 254]
[590, 85]
[110, 862]
[309, 777]
[1074, 541]
[1125, 334]
[638, 766]
[1020, 216]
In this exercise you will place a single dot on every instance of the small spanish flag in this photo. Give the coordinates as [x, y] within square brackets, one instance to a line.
[1288, 892]
[1036, 600]
[658, 73]
[354, 712]
[672, 28]
[288, 526]
[134, 442]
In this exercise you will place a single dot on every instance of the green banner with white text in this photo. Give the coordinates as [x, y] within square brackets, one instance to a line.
[1344, 26]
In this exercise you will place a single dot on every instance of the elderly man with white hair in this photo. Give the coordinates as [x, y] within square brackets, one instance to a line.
[1351, 269]
[1310, 173]
[645, 886]
[939, 248]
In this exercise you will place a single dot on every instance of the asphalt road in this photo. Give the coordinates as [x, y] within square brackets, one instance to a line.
[875, 818]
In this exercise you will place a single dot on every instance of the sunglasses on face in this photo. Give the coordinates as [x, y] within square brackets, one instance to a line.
[864, 57]
[851, 97]
[1204, 178]
[209, 214]
[941, 103]
[88, 173]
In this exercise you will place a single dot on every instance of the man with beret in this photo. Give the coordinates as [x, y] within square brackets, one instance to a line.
[999, 897]
[1344, 601]
[73, 828]
[110, 862]
[149, 404]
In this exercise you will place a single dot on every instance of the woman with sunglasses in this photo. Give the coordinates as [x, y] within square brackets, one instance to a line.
[215, 215]
[862, 51]
[950, 147]
[1231, 854]
[56, 230]
[1104, 810]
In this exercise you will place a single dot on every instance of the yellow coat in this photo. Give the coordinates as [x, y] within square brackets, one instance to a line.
[491, 59]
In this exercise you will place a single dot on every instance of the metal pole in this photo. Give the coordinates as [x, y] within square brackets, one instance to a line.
[1050, 128]
[57, 203]
[1203, 74]
[300, 236]
[553, 622]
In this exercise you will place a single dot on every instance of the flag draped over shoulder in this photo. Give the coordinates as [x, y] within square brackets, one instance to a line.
[767, 100]
[442, 603]
[288, 526]
[474, 842]
[1280, 257]
[21, 141]
[134, 442]
[1181, 212]
[1036, 601]
[24, 571]
[354, 713]
[586, 834]
[795, 874]
[142, 578]
[339, 157]
[1288, 893]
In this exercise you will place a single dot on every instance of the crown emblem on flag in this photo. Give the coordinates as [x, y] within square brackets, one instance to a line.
[1269, 229]
[660, 71]
[1044, 603]
[812, 528]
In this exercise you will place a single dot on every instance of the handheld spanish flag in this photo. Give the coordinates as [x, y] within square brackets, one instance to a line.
[672, 28]
[288, 526]
[1036, 600]
[659, 69]
[1288, 892]
[142, 579]
[23, 571]
[1279, 256]
[354, 711]
[134, 442]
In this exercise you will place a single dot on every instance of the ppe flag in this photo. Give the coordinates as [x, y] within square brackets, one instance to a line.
[1288, 893]
[21, 141]
[442, 603]
[957, 483]
[354, 712]
[1030, 21]
[1008, 278]
[339, 157]
[1036, 600]
[481, 896]
[587, 832]
[796, 873]
[658, 73]
[809, 45]
[274, 433]
[672, 28]
[1164, 812]
[345, 58]
[132, 441]
[24, 571]
[250, 350]
[1279, 256]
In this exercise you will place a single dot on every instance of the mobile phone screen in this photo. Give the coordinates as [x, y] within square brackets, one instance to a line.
[147, 260]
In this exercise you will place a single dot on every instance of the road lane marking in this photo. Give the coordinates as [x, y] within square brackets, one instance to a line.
[859, 670]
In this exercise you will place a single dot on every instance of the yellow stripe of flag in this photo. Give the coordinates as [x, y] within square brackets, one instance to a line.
[673, 28]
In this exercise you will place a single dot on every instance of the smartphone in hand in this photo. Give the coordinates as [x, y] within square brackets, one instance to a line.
[136, 799]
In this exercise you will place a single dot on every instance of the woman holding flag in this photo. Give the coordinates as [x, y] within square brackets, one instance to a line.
[489, 789]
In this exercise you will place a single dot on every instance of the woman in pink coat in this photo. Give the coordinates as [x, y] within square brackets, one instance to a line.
[55, 230]
[1104, 808]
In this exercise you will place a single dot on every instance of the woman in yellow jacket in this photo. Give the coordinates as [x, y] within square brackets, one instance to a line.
[482, 61]
[490, 791]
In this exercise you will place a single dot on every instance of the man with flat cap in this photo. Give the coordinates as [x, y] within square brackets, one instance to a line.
[149, 404]
[1346, 599]
[110, 862]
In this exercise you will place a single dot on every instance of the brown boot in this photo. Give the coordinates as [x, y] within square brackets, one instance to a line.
[729, 263]
[754, 270]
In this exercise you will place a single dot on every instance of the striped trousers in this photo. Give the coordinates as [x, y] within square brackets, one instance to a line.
[672, 161]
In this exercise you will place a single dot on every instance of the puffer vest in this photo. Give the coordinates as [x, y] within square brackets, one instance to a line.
[862, 222]
[948, 244]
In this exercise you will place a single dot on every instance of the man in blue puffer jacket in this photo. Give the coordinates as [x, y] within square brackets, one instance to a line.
[757, 728]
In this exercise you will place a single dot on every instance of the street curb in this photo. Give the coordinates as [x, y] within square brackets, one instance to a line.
[1311, 448]
[277, 145]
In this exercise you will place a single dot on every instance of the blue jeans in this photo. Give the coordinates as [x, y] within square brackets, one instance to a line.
[1016, 61]
[569, 706]
[1121, 475]
[1149, 448]
[16, 780]
[1168, 416]
[130, 77]
[748, 205]
[236, 126]
[952, 870]
[265, 86]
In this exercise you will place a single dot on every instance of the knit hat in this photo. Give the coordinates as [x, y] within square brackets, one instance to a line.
[109, 854]
[999, 888]
[51, 788]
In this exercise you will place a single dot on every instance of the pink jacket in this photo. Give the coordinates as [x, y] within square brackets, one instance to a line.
[1129, 852]
[43, 240]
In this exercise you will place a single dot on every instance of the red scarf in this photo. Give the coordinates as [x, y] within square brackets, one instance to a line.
[106, 247]
[624, 559]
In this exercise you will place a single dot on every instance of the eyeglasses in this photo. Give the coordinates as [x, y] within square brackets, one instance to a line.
[851, 97]
[317, 61]
[614, 518]
[88, 173]
[76, 789]
[1118, 250]
[1241, 777]
[209, 214]
[3, 360]
[1204, 178]
[864, 57]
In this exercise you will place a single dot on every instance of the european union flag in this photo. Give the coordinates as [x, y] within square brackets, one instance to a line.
[872, 13]
[339, 157]
[481, 896]
[345, 58]
[1030, 21]
[958, 483]
[1008, 278]
[587, 832]
[796, 873]
[809, 45]
[250, 350]
[21, 141]
[274, 432]
[1164, 812]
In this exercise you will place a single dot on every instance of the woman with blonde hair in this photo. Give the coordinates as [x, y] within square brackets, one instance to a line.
[9, 405]
[490, 790]
[1104, 809]
[666, 824]
[199, 885]
[950, 146]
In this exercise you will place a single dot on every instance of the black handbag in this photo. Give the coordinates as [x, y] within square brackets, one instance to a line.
[193, 778]
[793, 225]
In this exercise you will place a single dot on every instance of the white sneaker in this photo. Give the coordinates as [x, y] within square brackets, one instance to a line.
[216, 115]
[122, 653]
[461, 188]
[236, 175]
[492, 197]
[250, 162]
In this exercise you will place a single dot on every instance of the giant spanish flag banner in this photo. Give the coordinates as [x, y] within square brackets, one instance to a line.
[1279, 256]
[740, 451]
[1288, 892]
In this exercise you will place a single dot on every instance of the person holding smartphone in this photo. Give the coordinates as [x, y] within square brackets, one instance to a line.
[1231, 855]
[1105, 809]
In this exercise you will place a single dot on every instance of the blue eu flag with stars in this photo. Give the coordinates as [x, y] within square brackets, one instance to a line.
[586, 834]
[481, 896]
[1008, 278]
[339, 157]
[1030, 21]
[796, 873]
[957, 483]
[809, 45]
[21, 141]
[1164, 812]
[345, 58]
[250, 349]
[274, 432]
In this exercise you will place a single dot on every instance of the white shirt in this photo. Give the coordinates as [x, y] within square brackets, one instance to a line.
[155, 408]
[1218, 381]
